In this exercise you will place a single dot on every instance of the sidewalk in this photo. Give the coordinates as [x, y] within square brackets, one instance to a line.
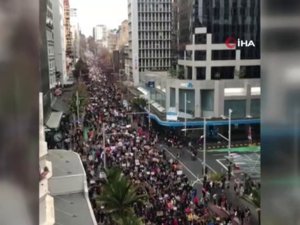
[62, 102]
[192, 168]
[242, 203]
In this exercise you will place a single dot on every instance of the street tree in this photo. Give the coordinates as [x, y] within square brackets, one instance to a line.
[138, 103]
[81, 69]
[83, 99]
[118, 198]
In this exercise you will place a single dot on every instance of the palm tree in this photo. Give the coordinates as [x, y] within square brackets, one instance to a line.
[118, 197]
[130, 220]
[138, 103]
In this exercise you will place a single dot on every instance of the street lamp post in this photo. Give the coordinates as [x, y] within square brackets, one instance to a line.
[149, 108]
[229, 131]
[185, 101]
[104, 151]
[77, 106]
[204, 147]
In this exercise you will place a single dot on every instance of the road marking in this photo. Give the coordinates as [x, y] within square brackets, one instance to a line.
[219, 161]
[181, 163]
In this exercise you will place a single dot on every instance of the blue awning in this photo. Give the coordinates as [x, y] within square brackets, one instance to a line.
[200, 122]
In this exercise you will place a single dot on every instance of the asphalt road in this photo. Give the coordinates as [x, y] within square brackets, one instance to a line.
[193, 169]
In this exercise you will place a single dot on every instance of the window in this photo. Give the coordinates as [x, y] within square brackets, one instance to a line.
[200, 39]
[207, 100]
[172, 97]
[200, 73]
[255, 107]
[250, 72]
[223, 55]
[217, 13]
[238, 108]
[200, 55]
[189, 73]
[219, 73]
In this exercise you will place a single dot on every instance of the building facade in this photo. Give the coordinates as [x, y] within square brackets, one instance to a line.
[235, 18]
[59, 38]
[67, 28]
[112, 40]
[122, 35]
[216, 70]
[75, 31]
[100, 35]
[44, 88]
[127, 62]
[50, 47]
[149, 36]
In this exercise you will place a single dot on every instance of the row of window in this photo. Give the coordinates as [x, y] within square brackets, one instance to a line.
[153, 68]
[207, 103]
[215, 55]
[240, 12]
[154, 63]
[224, 72]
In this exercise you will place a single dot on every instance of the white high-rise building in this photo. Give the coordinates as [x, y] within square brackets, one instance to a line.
[59, 39]
[149, 36]
[100, 35]
[100, 32]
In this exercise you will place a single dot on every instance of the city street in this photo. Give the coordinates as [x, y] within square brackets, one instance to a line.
[193, 169]
[150, 96]
[99, 111]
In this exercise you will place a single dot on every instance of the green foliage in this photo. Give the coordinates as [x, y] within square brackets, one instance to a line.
[139, 103]
[118, 197]
[216, 177]
[256, 197]
[81, 68]
[130, 220]
[83, 99]
[174, 73]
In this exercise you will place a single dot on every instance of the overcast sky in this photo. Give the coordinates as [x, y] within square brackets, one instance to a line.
[92, 12]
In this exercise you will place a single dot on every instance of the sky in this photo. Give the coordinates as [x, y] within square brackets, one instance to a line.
[93, 12]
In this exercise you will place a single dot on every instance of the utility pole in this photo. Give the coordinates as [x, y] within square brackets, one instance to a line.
[229, 131]
[204, 147]
[77, 106]
[149, 119]
[103, 145]
[185, 101]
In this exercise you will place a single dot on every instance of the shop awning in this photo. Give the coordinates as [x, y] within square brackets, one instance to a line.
[54, 120]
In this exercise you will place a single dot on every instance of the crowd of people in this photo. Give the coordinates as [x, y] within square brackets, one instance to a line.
[106, 138]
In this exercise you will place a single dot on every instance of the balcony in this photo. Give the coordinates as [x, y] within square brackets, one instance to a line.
[46, 212]
[46, 164]
[43, 188]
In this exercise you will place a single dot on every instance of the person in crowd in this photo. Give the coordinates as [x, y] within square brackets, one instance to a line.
[172, 200]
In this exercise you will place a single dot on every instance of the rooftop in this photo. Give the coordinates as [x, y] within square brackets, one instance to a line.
[72, 209]
[65, 163]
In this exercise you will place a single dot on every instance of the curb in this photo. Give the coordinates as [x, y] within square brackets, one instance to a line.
[247, 199]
